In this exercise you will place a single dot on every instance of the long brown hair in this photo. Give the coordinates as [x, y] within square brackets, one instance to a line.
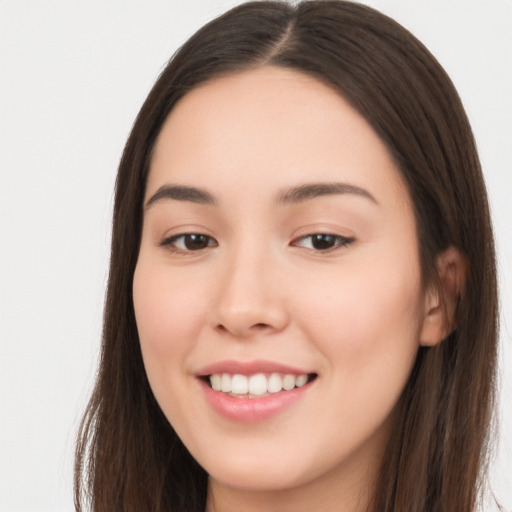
[128, 455]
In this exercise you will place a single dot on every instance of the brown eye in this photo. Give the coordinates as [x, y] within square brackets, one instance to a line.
[189, 242]
[195, 242]
[323, 241]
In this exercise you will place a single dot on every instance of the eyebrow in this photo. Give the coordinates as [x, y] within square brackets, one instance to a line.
[296, 194]
[313, 190]
[181, 193]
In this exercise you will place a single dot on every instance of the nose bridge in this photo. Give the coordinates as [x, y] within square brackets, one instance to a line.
[249, 297]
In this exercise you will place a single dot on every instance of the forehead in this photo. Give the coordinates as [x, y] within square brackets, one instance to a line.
[270, 126]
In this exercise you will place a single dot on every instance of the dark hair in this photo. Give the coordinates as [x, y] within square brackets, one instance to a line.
[128, 455]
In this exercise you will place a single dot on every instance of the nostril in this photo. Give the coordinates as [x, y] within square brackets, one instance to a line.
[243, 331]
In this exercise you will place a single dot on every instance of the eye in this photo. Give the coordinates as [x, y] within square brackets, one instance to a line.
[189, 242]
[322, 241]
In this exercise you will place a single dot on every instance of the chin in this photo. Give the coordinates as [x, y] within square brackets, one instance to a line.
[255, 479]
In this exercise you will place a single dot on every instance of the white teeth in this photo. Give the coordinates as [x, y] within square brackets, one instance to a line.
[256, 385]
[216, 382]
[225, 385]
[275, 383]
[239, 385]
[289, 382]
[301, 380]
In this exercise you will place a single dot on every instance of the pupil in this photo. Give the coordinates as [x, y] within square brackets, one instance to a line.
[322, 241]
[196, 242]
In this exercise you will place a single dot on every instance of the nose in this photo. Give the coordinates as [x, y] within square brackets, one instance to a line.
[250, 297]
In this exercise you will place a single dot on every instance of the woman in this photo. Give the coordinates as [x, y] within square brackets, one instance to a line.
[301, 309]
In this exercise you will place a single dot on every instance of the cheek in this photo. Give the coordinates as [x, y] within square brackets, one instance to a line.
[168, 314]
[367, 327]
[366, 322]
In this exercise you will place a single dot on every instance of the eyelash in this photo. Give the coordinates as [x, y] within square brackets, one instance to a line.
[337, 242]
[171, 242]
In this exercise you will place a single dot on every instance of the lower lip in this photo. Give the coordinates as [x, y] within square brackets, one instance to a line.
[250, 410]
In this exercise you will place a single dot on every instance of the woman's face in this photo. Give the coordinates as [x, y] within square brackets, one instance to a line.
[279, 263]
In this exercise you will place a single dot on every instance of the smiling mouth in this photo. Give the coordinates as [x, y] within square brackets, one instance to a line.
[257, 385]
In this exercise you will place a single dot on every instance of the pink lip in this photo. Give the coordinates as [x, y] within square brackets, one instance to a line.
[248, 368]
[251, 410]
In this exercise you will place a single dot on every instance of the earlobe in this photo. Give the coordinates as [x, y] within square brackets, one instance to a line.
[441, 298]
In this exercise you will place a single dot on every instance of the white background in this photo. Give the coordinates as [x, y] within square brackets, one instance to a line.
[72, 78]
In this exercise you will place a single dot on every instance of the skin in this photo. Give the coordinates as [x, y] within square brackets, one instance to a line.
[354, 314]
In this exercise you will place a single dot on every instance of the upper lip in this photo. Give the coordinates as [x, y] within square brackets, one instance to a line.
[249, 368]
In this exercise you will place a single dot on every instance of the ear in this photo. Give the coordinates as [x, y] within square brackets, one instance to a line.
[441, 298]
